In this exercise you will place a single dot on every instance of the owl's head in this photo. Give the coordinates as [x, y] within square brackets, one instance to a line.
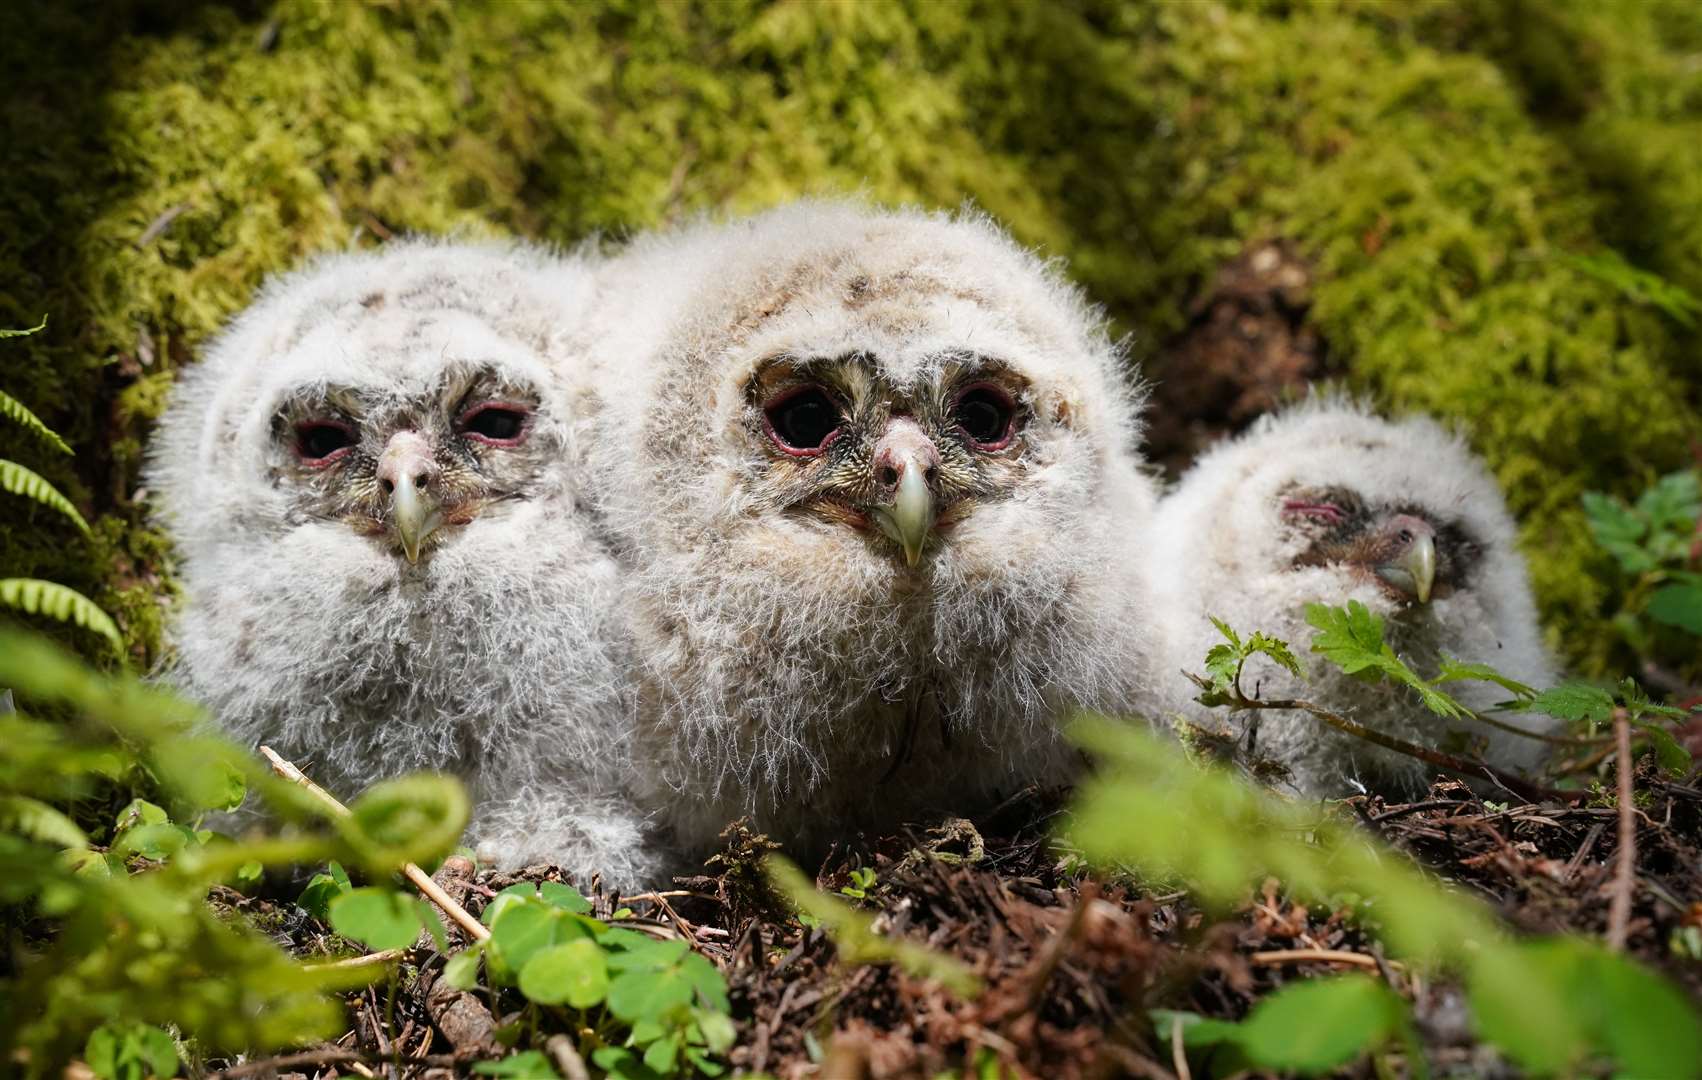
[1328, 503]
[375, 405]
[894, 390]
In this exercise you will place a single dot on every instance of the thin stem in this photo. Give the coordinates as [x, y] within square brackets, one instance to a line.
[1625, 859]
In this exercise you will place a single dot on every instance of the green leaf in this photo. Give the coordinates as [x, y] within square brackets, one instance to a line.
[158, 841]
[717, 1030]
[662, 1054]
[573, 973]
[322, 889]
[36, 329]
[206, 774]
[31, 485]
[1673, 501]
[1671, 755]
[1198, 1032]
[526, 1065]
[377, 918]
[1458, 671]
[1574, 701]
[417, 818]
[461, 971]
[1321, 1024]
[565, 897]
[1677, 605]
[522, 929]
[40, 822]
[622, 1064]
[129, 1051]
[37, 597]
[1648, 1024]
[649, 993]
[1277, 649]
[1350, 637]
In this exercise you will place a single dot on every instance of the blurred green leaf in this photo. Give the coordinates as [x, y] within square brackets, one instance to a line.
[378, 918]
[573, 973]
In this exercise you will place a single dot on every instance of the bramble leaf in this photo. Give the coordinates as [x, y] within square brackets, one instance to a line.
[1573, 701]
[1459, 671]
[1678, 605]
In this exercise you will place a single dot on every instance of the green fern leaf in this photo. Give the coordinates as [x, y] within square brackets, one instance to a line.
[17, 410]
[67, 605]
[20, 481]
[25, 333]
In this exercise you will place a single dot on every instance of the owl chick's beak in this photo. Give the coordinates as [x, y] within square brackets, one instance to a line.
[1412, 569]
[408, 476]
[906, 463]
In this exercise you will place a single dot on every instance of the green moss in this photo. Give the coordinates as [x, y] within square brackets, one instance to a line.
[1436, 166]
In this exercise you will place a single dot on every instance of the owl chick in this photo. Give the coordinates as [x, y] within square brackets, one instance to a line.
[1326, 503]
[384, 565]
[869, 476]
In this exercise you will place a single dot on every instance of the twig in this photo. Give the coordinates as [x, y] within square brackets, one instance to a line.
[369, 960]
[422, 881]
[567, 1059]
[161, 223]
[1178, 1056]
[1319, 956]
[1625, 859]
[329, 1055]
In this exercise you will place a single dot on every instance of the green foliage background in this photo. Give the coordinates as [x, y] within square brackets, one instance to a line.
[1440, 161]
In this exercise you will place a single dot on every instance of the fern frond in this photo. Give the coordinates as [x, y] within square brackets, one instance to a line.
[21, 481]
[38, 597]
[38, 327]
[39, 821]
[17, 410]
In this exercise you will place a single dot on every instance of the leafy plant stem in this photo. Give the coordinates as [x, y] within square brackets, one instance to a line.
[1467, 767]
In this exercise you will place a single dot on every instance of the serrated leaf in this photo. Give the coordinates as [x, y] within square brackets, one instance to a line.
[37, 597]
[1350, 638]
[377, 918]
[1222, 662]
[1673, 757]
[1574, 701]
[1677, 605]
[1612, 521]
[1277, 649]
[573, 973]
[1672, 501]
[1459, 671]
[1321, 1024]
[1228, 633]
[32, 485]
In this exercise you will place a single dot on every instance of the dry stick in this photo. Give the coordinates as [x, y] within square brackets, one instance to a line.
[1625, 859]
[1319, 956]
[422, 881]
[1178, 1056]
[566, 1057]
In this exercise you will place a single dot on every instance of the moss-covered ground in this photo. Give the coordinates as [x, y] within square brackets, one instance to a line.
[1442, 165]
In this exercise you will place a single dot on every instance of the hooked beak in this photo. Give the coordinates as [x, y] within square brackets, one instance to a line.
[905, 461]
[1414, 570]
[408, 476]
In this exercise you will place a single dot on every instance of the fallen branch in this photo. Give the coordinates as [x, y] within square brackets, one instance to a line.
[422, 881]
[1320, 956]
[1625, 859]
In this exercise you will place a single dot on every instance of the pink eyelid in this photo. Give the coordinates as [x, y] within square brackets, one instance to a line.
[466, 418]
[775, 437]
[1322, 511]
[320, 462]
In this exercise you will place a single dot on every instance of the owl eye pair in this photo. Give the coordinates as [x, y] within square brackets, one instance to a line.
[805, 421]
[321, 442]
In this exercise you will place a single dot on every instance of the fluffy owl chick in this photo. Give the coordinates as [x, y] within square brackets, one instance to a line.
[869, 475]
[384, 565]
[1327, 504]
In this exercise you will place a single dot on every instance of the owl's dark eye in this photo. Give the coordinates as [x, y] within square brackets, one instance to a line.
[803, 422]
[494, 424]
[985, 413]
[320, 442]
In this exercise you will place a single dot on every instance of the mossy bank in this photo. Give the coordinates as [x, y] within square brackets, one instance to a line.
[1442, 165]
